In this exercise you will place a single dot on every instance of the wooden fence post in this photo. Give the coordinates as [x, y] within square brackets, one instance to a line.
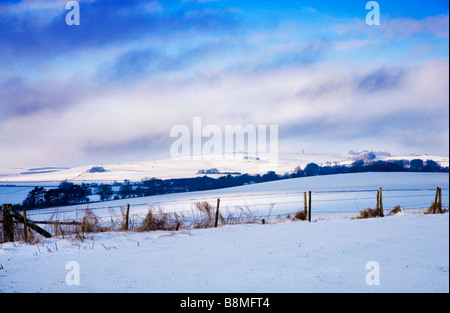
[127, 216]
[437, 204]
[440, 200]
[378, 199]
[8, 224]
[305, 204]
[436, 196]
[25, 226]
[217, 213]
[381, 201]
[309, 204]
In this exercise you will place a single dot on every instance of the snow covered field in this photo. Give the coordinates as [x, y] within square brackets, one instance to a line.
[330, 254]
[332, 194]
[411, 252]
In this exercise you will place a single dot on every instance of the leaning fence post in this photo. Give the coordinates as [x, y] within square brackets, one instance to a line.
[309, 204]
[25, 226]
[30, 224]
[217, 213]
[8, 226]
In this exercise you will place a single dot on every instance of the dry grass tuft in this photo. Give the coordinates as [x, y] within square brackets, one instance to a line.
[207, 217]
[240, 215]
[369, 213]
[300, 215]
[159, 220]
[63, 228]
[19, 234]
[435, 208]
[91, 224]
[396, 210]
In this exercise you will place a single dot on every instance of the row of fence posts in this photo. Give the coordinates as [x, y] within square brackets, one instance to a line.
[9, 214]
[127, 216]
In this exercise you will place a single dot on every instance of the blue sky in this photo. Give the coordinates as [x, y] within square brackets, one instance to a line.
[110, 89]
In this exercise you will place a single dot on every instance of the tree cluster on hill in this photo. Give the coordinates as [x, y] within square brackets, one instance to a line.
[68, 193]
[360, 165]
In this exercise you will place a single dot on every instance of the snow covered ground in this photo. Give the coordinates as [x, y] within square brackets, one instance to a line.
[330, 254]
[334, 254]
[332, 194]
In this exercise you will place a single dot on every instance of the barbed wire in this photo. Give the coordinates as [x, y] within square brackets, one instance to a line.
[258, 201]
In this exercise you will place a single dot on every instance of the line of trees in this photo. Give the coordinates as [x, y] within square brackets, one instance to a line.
[416, 165]
[68, 193]
[153, 186]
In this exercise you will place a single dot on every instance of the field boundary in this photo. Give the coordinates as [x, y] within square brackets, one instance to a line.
[210, 212]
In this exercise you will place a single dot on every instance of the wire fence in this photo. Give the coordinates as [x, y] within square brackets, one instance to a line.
[258, 205]
[200, 211]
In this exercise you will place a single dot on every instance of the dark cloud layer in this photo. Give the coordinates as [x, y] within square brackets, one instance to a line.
[105, 23]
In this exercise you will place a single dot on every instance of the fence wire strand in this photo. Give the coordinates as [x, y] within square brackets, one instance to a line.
[260, 205]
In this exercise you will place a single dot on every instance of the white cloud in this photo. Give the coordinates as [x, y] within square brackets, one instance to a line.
[323, 102]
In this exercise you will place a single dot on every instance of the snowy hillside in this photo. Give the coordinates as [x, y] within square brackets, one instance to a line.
[184, 168]
[168, 168]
